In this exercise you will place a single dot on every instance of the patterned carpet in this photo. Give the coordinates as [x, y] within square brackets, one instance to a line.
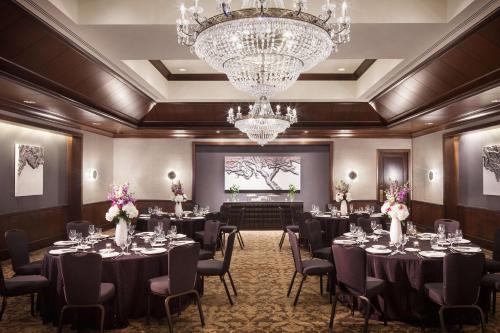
[261, 274]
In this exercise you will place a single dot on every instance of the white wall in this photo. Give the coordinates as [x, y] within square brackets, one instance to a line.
[144, 163]
[428, 155]
[360, 155]
[98, 155]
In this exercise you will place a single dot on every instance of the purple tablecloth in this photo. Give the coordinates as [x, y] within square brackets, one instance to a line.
[405, 276]
[129, 274]
[188, 226]
[333, 227]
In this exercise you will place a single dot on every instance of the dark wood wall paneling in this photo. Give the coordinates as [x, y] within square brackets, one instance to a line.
[48, 59]
[423, 214]
[95, 213]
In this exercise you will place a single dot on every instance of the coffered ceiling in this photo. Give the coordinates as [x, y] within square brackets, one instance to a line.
[114, 66]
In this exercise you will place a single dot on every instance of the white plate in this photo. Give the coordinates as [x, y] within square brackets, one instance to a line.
[439, 248]
[463, 241]
[376, 246]
[109, 254]
[62, 251]
[157, 244]
[349, 234]
[411, 249]
[467, 249]
[65, 243]
[432, 254]
[100, 236]
[344, 242]
[155, 250]
[146, 233]
[381, 232]
[378, 251]
[443, 243]
[82, 247]
[426, 234]
[178, 236]
[197, 218]
[177, 243]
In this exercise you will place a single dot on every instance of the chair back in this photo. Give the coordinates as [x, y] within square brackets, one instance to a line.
[153, 222]
[2, 281]
[300, 219]
[294, 244]
[350, 264]
[496, 245]
[314, 234]
[282, 218]
[81, 274]
[80, 227]
[462, 278]
[17, 245]
[210, 235]
[239, 220]
[365, 223]
[449, 225]
[214, 216]
[229, 251]
[182, 262]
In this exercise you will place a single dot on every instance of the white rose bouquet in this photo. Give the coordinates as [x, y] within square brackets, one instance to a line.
[122, 204]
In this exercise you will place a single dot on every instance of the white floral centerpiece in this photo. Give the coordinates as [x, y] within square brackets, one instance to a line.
[122, 210]
[343, 196]
[179, 197]
[395, 207]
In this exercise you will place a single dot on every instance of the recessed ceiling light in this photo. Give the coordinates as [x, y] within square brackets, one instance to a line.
[429, 123]
[96, 124]
[495, 101]
[29, 101]
[182, 70]
[341, 69]
[218, 132]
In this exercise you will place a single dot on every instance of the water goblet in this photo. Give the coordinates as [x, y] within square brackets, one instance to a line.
[351, 208]
[441, 229]
[173, 229]
[108, 247]
[91, 230]
[416, 244]
[404, 240]
[72, 235]
[373, 225]
[433, 242]
[131, 230]
[127, 244]
[458, 235]
[352, 228]
[79, 238]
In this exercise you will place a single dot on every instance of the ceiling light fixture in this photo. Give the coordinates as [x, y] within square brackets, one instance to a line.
[29, 101]
[341, 69]
[263, 47]
[182, 70]
[429, 123]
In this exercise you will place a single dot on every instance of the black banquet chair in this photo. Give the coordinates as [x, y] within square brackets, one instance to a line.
[210, 237]
[226, 228]
[285, 226]
[311, 267]
[17, 246]
[352, 280]
[220, 268]
[300, 218]
[449, 225]
[153, 222]
[80, 227]
[315, 240]
[460, 287]
[180, 281]
[88, 292]
[493, 264]
[21, 285]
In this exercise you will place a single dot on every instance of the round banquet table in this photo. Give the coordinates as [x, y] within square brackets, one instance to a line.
[405, 276]
[336, 226]
[129, 274]
[186, 225]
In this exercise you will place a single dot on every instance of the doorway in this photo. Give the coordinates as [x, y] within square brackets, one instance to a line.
[392, 164]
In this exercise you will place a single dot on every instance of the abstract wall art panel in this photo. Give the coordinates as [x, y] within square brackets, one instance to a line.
[491, 170]
[262, 173]
[29, 162]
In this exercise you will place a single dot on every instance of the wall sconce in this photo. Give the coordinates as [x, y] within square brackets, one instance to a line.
[432, 175]
[171, 175]
[352, 175]
[92, 175]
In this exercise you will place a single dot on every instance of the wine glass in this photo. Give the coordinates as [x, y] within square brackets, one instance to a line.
[79, 238]
[397, 244]
[91, 230]
[441, 229]
[122, 246]
[98, 232]
[458, 235]
[173, 230]
[150, 210]
[404, 240]
[352, 228]
[351, 208]
[72, 235]
[131, 230]
[373, 225]
[434, 240]
[127, 244]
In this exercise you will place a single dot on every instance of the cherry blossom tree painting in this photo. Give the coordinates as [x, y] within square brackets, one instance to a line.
[29, 162]
[491, 170]
[262, 173]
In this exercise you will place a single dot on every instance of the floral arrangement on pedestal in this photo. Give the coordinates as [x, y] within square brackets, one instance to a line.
[179, 197]
[343, 196]
[234, 190]
[395, 207]
[292, 191]
[122, 210]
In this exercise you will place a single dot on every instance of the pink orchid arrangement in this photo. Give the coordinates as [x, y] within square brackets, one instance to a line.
[122, 204]
[395, 205]
[178, 192]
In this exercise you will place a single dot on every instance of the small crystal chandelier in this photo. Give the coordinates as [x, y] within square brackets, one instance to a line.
[262, 124]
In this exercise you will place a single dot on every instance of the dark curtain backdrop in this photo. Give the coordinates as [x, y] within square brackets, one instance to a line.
[209, 172]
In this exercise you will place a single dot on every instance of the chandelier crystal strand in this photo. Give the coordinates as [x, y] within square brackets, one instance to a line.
[262, 124]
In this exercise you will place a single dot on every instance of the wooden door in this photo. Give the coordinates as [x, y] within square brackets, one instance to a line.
[392, 164]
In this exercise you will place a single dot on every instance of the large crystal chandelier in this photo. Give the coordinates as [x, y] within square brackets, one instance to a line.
[262, 124]
[263, 47]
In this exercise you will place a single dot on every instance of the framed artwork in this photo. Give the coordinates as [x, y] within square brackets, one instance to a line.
[29, 162]
[262, 173]
[491, 170]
